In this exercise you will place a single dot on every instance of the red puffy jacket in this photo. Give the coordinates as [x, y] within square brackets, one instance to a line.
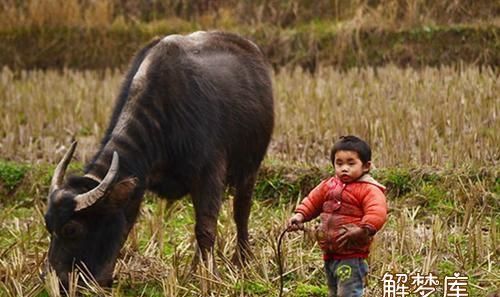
[361, 202]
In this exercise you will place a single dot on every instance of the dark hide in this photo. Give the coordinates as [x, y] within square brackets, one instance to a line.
[195, 114]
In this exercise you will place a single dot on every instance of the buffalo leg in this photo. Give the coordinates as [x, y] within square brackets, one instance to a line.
[241, 212]
[207, 200]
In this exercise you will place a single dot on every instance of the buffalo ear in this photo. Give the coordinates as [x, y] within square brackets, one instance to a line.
[122, 190]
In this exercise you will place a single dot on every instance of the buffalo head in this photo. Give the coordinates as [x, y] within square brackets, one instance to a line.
[87, 221]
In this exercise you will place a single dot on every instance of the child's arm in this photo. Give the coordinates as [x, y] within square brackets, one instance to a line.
[309, 208]
[374, 209]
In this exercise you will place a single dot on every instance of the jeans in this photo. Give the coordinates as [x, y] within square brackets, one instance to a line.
[346, 277]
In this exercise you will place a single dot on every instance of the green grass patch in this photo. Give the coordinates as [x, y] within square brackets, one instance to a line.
[149, 289]
[306, 290]
[11, 174]
[397, 180]
[252, 287]
[435, 196]
[446, 267]
[496, 187]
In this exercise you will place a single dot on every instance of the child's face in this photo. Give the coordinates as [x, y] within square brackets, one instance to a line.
[349, 167]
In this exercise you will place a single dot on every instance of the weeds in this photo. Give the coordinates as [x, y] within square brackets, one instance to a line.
[305, 290]
[399, 180]
[11, 174]
[253, 288]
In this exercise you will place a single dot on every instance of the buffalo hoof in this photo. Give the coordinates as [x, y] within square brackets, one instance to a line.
[242, 256]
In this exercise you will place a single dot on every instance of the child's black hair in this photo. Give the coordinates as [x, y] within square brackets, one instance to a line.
[352, 143]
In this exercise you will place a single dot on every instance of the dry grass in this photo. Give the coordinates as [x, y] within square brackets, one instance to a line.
[42, 108]
[300, 32]
[156, 258]
[442, 117]
[439, 117]
[56, 13]
[395, 14]
[431, 116]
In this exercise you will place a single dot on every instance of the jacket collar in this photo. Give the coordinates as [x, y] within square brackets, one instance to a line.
[367, 178]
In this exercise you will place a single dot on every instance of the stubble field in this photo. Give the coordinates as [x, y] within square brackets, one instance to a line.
[445, 117]
[434, 133]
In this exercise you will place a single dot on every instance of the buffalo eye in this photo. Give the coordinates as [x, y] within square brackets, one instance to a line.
[72, 230]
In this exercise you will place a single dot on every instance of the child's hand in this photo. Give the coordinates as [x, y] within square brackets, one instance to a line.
[296, 222]
[353, 235]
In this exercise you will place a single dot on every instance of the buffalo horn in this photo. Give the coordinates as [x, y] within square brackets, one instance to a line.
[87, 199]
[60, 170]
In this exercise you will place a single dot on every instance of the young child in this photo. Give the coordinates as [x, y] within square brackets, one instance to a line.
[352, 209]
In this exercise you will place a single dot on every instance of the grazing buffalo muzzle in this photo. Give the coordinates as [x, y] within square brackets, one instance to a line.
[194, 115]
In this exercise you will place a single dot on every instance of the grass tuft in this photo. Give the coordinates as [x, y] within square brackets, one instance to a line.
[11, 174]
[306, 290]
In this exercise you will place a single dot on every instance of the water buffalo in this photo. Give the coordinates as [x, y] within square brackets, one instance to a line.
[194, 115]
